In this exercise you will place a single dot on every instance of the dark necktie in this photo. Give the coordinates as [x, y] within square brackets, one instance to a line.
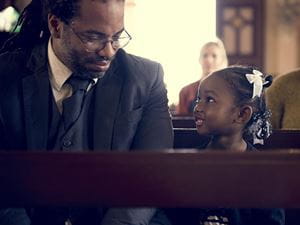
[73, 105]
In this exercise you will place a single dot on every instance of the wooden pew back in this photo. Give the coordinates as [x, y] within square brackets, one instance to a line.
[189, 138]
[162, 179]
[183, 122]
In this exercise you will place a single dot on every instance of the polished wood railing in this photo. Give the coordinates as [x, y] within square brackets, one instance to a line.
[171, 178]
[189, 138]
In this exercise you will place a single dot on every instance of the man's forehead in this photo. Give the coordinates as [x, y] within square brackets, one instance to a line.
[104, 1]
[104, 5]
[97, 16]
[99, 9]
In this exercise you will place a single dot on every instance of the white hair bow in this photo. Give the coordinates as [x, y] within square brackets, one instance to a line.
[256, 79]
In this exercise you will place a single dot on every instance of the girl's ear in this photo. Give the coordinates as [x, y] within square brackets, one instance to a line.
[244, 115]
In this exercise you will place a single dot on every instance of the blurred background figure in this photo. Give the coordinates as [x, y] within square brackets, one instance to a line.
[212, 57]
[283, 99]
[9, 13]
[19, 5]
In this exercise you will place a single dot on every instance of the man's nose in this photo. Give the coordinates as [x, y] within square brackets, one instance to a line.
[108, 51]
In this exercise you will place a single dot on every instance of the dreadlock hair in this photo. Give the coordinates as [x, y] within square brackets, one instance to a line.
[34, 22]
[259, 126]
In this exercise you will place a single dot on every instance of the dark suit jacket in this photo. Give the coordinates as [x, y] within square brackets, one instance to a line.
[131, 103]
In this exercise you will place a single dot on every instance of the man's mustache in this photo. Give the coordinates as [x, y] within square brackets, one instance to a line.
[98, 59]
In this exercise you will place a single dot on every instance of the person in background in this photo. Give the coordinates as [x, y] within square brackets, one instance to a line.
[19, 5]
[67, 85]
[212, 57]
[283, 99]
[9, 14]
[231, 110]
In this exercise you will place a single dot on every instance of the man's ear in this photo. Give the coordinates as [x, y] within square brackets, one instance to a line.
[244, 114]
[55, 26]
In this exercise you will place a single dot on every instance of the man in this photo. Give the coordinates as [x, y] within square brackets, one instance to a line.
[124, 105]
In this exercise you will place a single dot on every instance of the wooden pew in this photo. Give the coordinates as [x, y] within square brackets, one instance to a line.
[183, 122]
[162, 179]
[189, 138]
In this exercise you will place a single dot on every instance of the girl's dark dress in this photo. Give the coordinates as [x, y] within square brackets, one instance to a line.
[226, 216]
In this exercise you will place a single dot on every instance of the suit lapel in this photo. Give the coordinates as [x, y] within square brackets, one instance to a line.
[36, 102]
[36, 99]
[108, 91]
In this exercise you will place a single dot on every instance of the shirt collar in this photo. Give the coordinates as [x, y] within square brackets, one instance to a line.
[59, 73]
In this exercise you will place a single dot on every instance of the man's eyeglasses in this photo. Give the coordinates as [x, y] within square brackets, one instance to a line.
[96, 43]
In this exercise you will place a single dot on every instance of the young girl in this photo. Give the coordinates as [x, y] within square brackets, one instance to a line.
[231, 109]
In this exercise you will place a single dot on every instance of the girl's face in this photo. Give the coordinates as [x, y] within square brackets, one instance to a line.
[215, 111]
[211, 59]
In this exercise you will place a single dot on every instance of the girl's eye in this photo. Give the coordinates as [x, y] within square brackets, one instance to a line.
[210, 100]
[198, 100]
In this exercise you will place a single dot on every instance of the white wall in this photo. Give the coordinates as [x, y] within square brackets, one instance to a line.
[172, 33]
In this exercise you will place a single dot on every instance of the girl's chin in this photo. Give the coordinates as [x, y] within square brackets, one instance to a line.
[201, 131]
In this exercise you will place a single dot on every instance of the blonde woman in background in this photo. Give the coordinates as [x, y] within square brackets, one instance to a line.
[212, 57]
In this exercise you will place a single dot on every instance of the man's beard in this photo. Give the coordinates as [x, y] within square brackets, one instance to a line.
[77, 66]
[87, 74]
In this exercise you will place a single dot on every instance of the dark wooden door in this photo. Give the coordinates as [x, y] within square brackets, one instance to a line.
[240, 25]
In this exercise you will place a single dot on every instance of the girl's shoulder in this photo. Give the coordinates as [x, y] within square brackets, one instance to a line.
[250, 147]
[204, 142]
